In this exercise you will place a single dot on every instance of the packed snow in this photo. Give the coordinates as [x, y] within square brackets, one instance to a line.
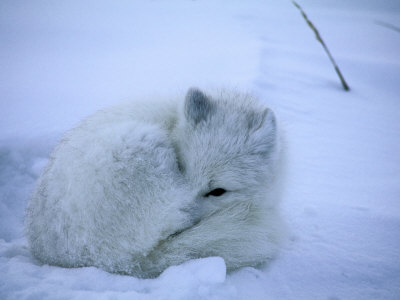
[61, 61]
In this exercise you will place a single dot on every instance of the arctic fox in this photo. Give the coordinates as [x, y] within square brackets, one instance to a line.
[143, 186]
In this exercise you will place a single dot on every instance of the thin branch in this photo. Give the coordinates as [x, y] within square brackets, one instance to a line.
[319, 38]
[388, 25]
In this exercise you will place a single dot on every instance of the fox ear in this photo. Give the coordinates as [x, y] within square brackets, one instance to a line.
[264, 120]
[198, 106]
[263, 131]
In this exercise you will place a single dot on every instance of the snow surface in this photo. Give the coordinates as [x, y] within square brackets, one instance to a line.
[62, 60]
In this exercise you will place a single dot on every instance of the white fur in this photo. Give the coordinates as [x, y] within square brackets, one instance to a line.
[125, 190]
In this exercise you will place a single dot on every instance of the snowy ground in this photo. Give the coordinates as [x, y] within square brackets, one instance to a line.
[61, 61]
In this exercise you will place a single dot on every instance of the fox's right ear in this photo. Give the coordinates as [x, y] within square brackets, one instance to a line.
[198, 106]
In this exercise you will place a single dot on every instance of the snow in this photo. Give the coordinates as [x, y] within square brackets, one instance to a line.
[61, 61]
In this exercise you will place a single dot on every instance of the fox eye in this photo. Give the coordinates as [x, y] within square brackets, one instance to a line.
[216, 193]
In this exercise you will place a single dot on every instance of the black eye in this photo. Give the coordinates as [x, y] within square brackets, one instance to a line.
[216, 193]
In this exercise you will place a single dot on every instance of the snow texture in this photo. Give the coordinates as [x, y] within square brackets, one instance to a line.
[61, 61]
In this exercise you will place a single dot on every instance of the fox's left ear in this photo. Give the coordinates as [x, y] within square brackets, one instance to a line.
[264, 120]
[263, 131]
[198, 106]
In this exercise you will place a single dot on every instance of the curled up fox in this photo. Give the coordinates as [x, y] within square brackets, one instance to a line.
[145, 185]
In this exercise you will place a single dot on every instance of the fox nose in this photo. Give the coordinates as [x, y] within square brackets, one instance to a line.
[193, 212]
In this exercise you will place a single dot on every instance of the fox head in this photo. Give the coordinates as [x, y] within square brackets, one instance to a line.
[227, 148]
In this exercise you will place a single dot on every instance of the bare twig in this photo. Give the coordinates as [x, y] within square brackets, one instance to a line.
[388, 25]
[318, 37]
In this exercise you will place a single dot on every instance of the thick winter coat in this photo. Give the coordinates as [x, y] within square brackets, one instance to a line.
[145, 185]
